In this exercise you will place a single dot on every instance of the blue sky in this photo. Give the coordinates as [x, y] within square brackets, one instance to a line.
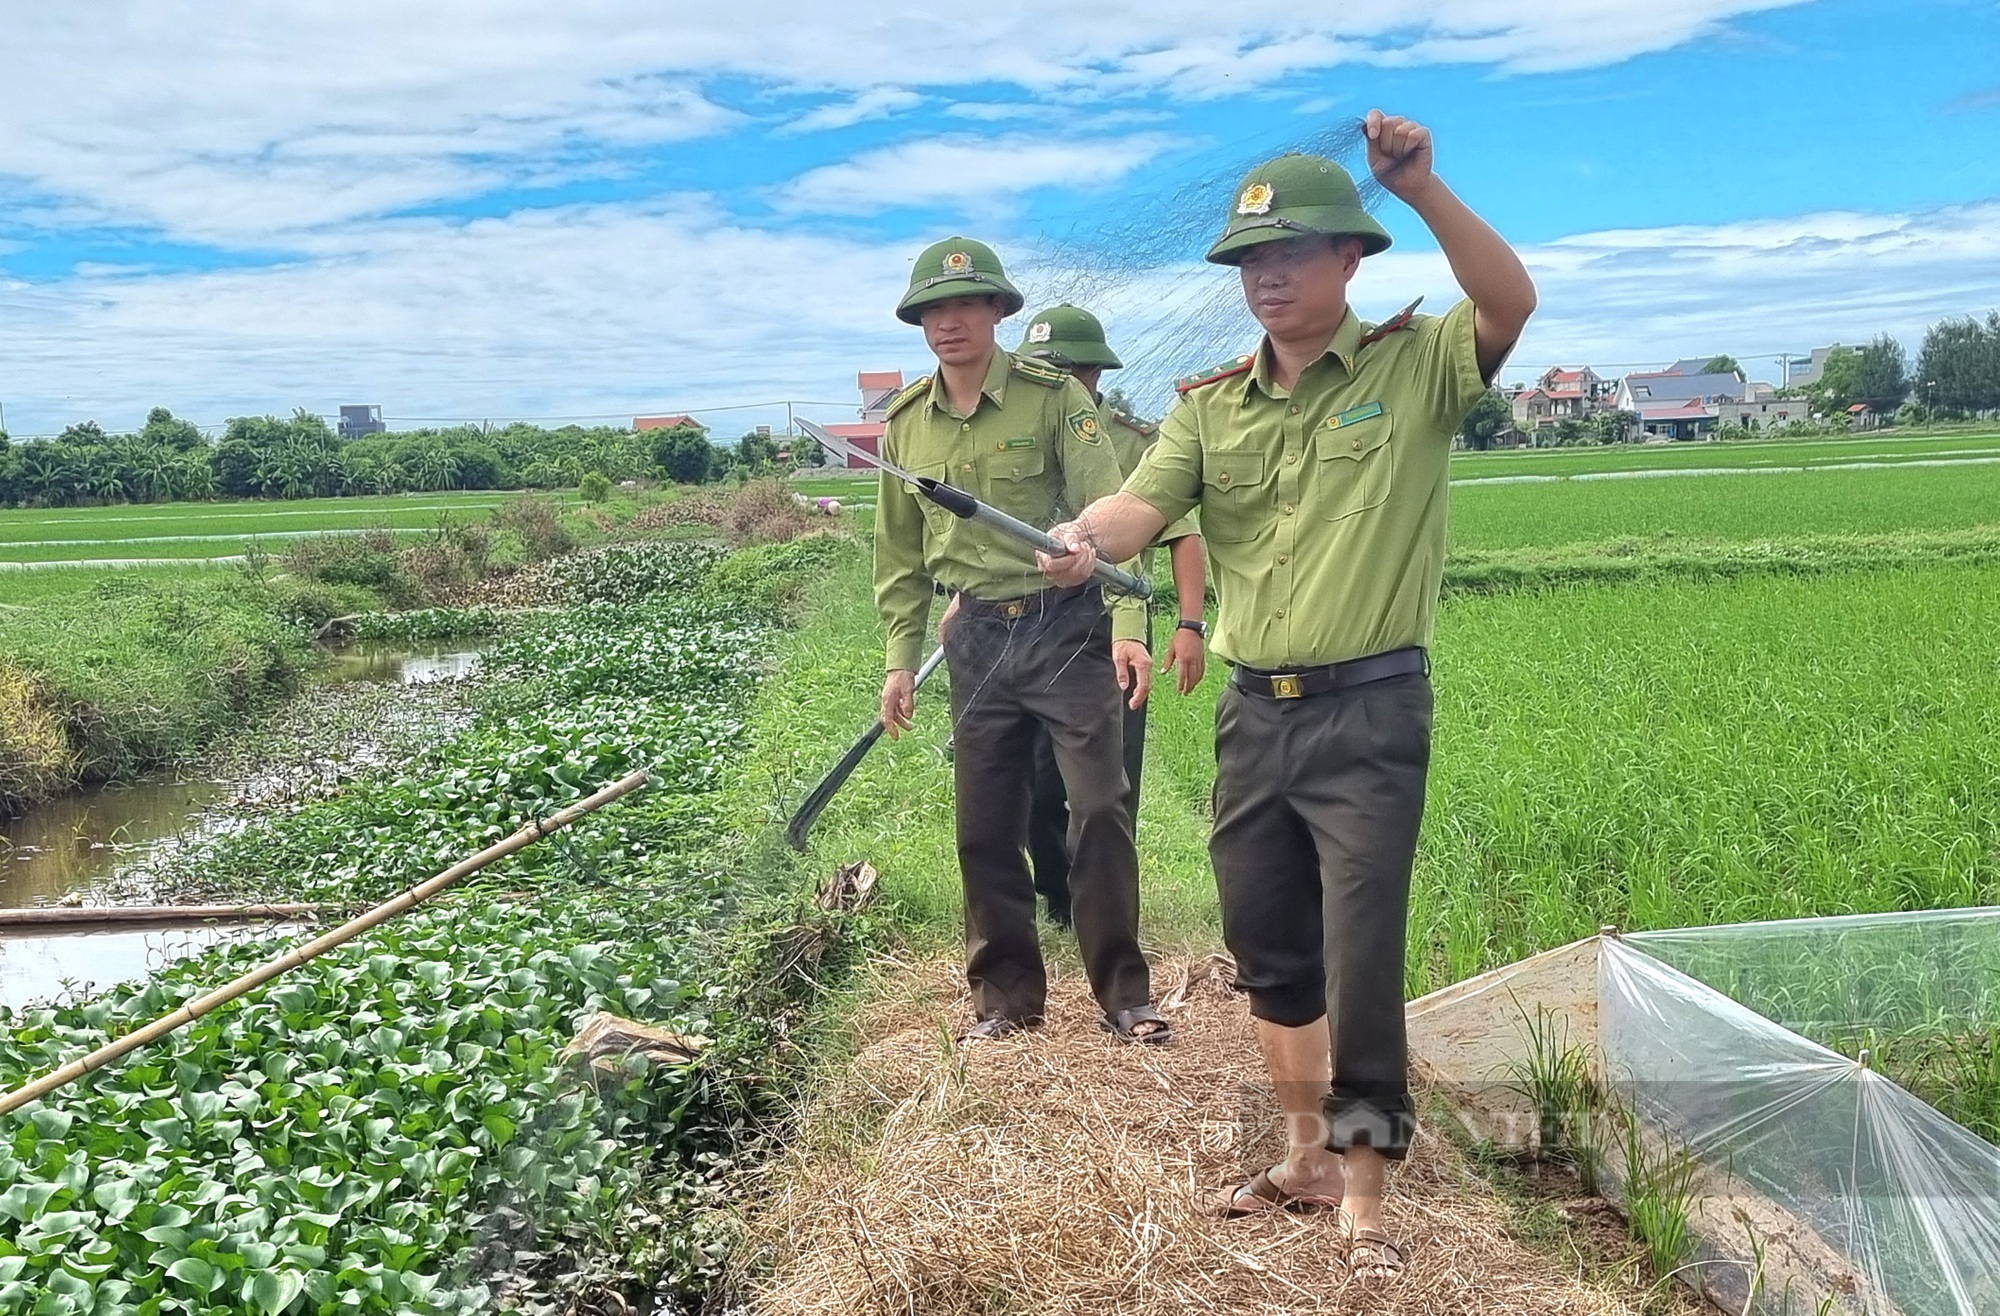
[505, 209]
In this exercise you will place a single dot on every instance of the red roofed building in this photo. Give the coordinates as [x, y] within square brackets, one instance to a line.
[1533, 410]
[878, 389]
[1574, 394]
[1677, 418]
[666, 423]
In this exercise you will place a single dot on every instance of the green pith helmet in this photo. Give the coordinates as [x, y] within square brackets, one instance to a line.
[1068, 336]
[1291, 195]
[956, 267]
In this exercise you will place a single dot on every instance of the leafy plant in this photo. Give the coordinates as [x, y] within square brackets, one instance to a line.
[1658, 1186]
[392, 1128]
[1560, 1080]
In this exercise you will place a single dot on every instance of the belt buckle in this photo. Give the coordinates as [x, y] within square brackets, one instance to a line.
[1286, 687]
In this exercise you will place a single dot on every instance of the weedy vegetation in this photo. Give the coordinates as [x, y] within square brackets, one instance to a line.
[392, 1128]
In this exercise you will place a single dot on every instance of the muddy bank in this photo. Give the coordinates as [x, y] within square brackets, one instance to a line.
[142, 842]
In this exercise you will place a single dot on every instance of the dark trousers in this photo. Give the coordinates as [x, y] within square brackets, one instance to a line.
[1048, 667]
[1048, 808]
[1317, 807]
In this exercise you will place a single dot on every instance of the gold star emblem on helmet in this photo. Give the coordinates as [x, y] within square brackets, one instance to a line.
[1039, 331]
[958, 263]
[1256, 199]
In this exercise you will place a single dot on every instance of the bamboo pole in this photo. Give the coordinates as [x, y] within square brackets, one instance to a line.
[68, 916]
[292, 959]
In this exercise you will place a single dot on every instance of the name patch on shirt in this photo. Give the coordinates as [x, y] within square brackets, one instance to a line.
[1366, 411]
[1011, 445]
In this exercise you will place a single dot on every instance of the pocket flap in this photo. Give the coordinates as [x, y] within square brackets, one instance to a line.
[1232, 470]
[1015, 463]
[1354, 433]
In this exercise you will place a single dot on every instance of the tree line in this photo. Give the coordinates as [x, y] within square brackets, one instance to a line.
[1956, 375]
[169, 460]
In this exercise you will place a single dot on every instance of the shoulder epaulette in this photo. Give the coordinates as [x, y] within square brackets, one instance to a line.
[908, 395]
[1400, 320]
[1040, 371]
[1133, 422]
[1235, 365]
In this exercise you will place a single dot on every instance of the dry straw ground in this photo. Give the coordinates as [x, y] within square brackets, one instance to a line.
[1062, 1173]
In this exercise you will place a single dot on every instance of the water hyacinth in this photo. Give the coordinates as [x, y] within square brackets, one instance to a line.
[391, 1127]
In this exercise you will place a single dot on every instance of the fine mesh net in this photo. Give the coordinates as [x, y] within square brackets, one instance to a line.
[1782, 1056]
[1138, 264]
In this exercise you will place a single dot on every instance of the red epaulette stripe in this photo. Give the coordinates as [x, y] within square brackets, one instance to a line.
[1193, 382]
[1399, 320]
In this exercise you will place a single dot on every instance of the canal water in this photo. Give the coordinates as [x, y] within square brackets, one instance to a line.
[63, 850]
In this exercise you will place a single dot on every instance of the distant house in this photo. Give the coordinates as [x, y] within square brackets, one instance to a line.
[1861, 416]
[1806, 371]
[666, 423]
[1675, 418]
[1763, 411]
[1574, 394]
[360, 422]
[878, 389]
[1533, 410]
[1637, 390]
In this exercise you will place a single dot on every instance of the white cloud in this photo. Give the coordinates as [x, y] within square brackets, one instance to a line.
[627, 310]
[995, 111]
[969, 173]
[875, 103]
[238, 120]
[575, 311]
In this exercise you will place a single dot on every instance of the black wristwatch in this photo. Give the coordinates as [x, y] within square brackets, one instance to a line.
[1198, 627]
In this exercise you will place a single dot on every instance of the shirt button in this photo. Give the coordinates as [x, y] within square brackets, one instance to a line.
[1357, 443]
[965, 425]
[1291, 457]
[1288, 509]
[1283, 558]
[1222, 478]
[1295, 408]
[1281, 614]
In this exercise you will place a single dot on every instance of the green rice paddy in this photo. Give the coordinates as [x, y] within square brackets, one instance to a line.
[211, 530]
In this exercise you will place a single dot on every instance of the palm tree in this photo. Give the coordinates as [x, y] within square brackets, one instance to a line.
[433, 467]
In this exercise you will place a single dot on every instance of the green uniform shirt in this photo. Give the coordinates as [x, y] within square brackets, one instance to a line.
[1032, 447]
[1323, 508]
[1130, 438]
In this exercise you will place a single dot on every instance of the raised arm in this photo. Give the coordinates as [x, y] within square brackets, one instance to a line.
[1503, 296]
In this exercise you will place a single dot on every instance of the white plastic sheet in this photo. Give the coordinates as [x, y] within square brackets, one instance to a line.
[1910, 1199]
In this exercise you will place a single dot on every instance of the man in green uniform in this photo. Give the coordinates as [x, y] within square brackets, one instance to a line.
[1024, 438]
[1320, 465]
[1072, 339]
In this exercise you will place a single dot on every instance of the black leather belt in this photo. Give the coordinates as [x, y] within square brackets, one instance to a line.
[1028, 605]
[1307, 681]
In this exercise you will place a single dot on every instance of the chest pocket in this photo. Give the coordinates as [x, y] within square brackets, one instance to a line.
[1234, 505]
[1011, 480]
[1355, 466]
[938, 521]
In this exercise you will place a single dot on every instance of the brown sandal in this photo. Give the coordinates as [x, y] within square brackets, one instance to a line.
[1372, 1256]
[1260, 1193]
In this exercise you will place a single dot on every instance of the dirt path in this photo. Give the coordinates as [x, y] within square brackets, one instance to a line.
[1063, 1173]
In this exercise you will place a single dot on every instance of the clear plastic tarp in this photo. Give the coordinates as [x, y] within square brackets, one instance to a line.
[1724, 1039]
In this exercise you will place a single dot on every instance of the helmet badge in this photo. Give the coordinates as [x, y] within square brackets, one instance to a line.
[958, 263]
[1039, 331]
[1256, 199]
